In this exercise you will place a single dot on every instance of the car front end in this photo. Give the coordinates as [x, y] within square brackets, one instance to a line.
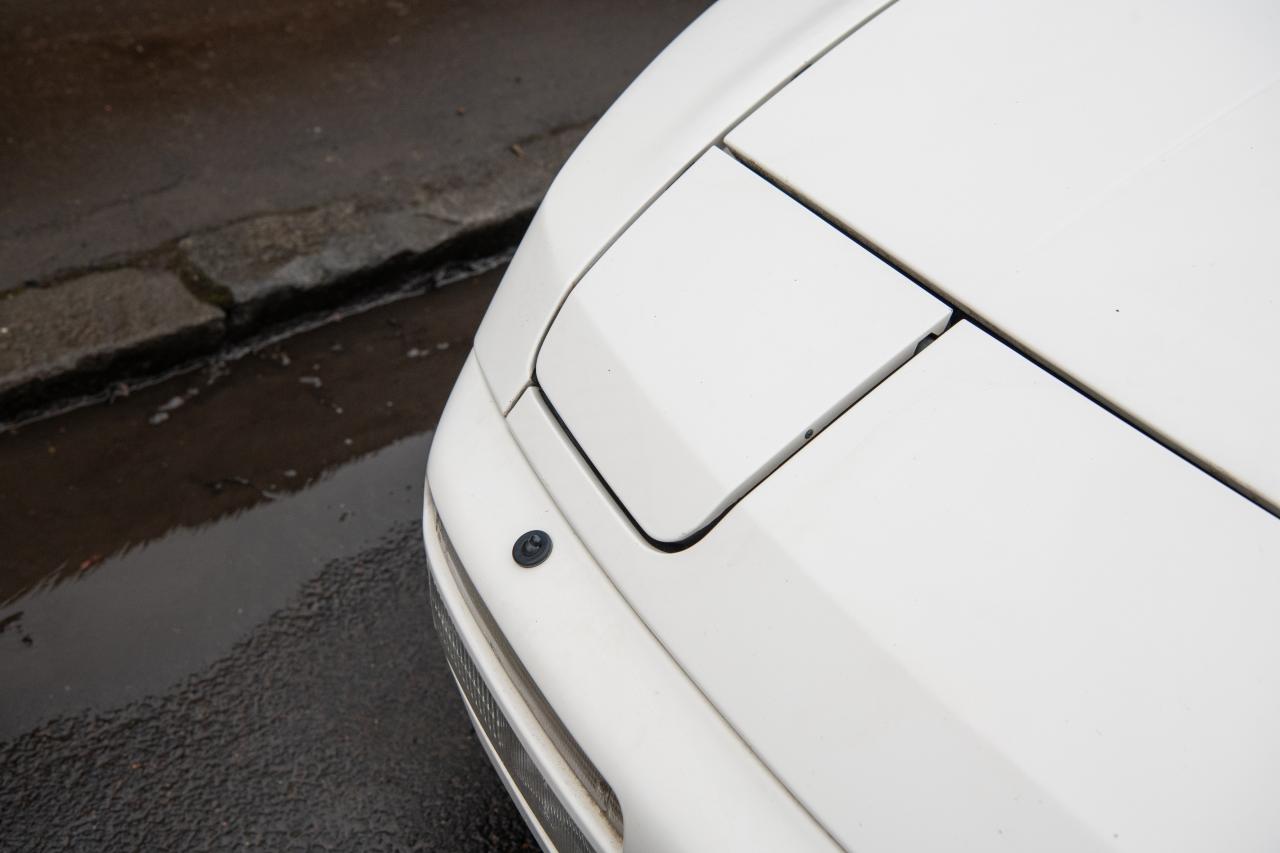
[864, 451]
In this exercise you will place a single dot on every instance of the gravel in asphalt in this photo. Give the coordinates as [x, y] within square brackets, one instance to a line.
[214, 626]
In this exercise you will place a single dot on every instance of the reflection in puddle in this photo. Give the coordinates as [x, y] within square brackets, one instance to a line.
[167, 609]
[138, 549]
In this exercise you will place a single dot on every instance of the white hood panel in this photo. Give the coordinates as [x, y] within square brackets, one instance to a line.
[723, 330]
[1099, 181]
[977, 612]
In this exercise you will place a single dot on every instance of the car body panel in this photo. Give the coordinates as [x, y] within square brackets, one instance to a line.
[685, 779]
[978, 610]
[805, 322]
[981, 609]
[1097, 181]
[722, 66]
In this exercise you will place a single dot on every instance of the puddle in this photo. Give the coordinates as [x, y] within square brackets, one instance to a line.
[137, 549]
[150, 616]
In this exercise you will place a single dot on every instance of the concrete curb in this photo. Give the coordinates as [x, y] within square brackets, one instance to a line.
[89, 330]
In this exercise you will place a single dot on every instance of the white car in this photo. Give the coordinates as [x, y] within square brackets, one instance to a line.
[874, 442]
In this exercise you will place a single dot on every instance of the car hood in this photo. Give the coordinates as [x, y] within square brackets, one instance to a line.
[1008, 578]
[1098, 182]
[977, 611]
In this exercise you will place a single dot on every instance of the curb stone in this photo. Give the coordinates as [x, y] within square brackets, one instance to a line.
[80, 334]
[261, 265]
[65, 339]
[273, 266]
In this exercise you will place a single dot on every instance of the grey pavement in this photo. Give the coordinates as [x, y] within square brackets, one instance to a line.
[128, 123]
[51, 337]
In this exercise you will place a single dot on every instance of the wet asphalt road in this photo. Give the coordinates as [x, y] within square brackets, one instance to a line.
[215, 630]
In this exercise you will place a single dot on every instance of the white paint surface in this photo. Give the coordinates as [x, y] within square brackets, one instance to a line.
[685, 780]
[978, 612]
[725, 324]
[1098, 180]
[717, 71]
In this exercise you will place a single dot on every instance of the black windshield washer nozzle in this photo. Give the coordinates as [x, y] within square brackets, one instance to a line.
[532, 549]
